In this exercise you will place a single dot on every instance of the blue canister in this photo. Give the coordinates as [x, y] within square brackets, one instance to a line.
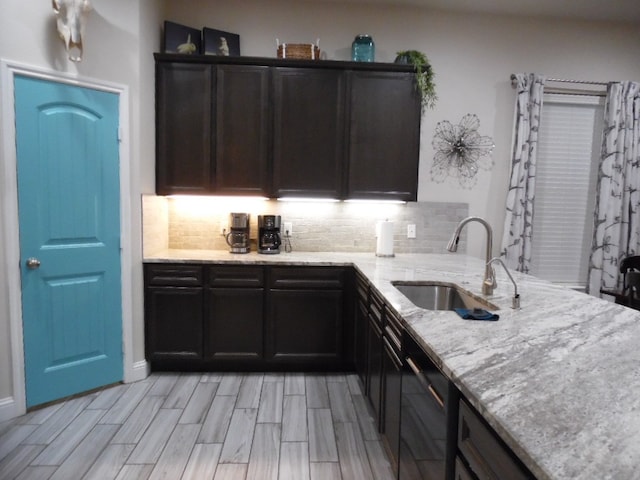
[363, 49]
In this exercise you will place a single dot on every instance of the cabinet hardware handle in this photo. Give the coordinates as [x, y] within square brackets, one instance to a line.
[420, 376]
[392, 354]
[436, 396]
[423, 381]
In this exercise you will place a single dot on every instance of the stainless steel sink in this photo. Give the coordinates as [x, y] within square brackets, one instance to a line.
[440, 296]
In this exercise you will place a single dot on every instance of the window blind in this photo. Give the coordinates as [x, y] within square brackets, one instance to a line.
[566, 173]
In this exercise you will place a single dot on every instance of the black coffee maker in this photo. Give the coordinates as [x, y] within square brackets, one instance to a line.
[238, 236]
[269, 233]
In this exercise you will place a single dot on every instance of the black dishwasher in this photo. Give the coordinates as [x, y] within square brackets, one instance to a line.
[428, 422]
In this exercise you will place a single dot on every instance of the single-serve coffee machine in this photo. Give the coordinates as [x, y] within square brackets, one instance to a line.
[269, 233]
[238, 236]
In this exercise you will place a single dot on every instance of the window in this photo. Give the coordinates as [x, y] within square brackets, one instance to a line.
[566, 173]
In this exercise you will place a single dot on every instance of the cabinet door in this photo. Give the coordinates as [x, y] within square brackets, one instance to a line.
[461, 472]
[173, 323]
[360, 344]
[305, 328]
[234, 327]
[183, 128]
[392, 381]
[485, 452]
[384, 136]
[308, 132]
[242, 133]
[374, 368]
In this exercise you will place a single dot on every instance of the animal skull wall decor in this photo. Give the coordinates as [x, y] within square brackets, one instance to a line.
[71, 17]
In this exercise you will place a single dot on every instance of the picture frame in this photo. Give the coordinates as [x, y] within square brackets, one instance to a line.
[220, 43]
[181, 39]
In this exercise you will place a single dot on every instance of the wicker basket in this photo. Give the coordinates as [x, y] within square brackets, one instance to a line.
[302, 51]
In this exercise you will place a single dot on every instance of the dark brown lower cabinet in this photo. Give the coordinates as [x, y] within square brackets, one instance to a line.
[360, 357]
[461, 471]
[392, 383]
[374, 368]
[173, 314]
[305, 328]
[360, 327]
[374, 355]
[176, 329]
[305, 319]
[230, 317]
[234, 322]
[483, 451]
[234, 327]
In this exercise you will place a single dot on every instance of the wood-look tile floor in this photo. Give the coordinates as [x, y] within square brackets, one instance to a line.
[225, 426]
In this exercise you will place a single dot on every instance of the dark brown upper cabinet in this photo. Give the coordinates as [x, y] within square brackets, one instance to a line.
[308, 128]
[184, 112]
[286, 128]
[212, 129]
[384, 136]
[242, 130]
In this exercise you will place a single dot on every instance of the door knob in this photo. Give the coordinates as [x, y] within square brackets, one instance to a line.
[33, 263]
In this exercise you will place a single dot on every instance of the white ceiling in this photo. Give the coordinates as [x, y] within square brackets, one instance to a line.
[602, 10]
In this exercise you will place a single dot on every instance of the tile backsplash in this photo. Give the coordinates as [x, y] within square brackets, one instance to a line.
[197, 223]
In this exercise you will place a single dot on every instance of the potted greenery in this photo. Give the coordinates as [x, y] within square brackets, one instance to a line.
[424, 75]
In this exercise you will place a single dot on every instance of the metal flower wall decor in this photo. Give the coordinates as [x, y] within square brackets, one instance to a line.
[460, 151]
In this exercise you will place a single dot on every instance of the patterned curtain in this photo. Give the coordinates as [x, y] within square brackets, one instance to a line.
[516, 239]
[617, 215]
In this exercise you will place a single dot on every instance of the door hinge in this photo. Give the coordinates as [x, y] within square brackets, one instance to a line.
[120, 134]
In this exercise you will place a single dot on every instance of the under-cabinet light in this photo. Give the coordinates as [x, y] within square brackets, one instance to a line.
[222, 198]
[308, 199]
[388, 202]
[206, 205]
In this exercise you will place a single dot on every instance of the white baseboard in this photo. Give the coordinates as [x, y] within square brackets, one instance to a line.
[9, 409]
[138, 371]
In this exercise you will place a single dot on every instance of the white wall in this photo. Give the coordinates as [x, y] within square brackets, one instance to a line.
[121, 36]
[473, 57]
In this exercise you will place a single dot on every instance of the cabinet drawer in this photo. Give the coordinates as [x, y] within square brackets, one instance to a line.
[461, 472]
[310, 277]
[362, 288]
[177, 275]
[393, 322]
[486, 454]
[376, 306]
[236, 276]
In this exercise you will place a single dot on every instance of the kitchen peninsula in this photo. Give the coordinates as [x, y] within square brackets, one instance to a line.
[556, 379]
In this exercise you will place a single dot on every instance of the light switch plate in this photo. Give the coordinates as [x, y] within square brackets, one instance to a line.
[411, 230]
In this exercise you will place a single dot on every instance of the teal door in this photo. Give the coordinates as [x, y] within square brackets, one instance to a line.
[69, 216]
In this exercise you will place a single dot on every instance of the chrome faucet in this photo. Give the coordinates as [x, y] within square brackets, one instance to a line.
[515, 301]
[489, 281]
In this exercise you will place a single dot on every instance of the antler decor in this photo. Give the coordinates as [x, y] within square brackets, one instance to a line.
[71, 17]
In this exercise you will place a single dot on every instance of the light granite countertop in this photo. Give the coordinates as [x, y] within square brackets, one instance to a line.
[558, 379]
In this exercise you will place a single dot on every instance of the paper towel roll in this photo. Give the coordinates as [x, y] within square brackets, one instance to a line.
[384, 245]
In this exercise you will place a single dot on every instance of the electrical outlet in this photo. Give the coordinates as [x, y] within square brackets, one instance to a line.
[411, 230]
[288, 228]
[224, 229]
